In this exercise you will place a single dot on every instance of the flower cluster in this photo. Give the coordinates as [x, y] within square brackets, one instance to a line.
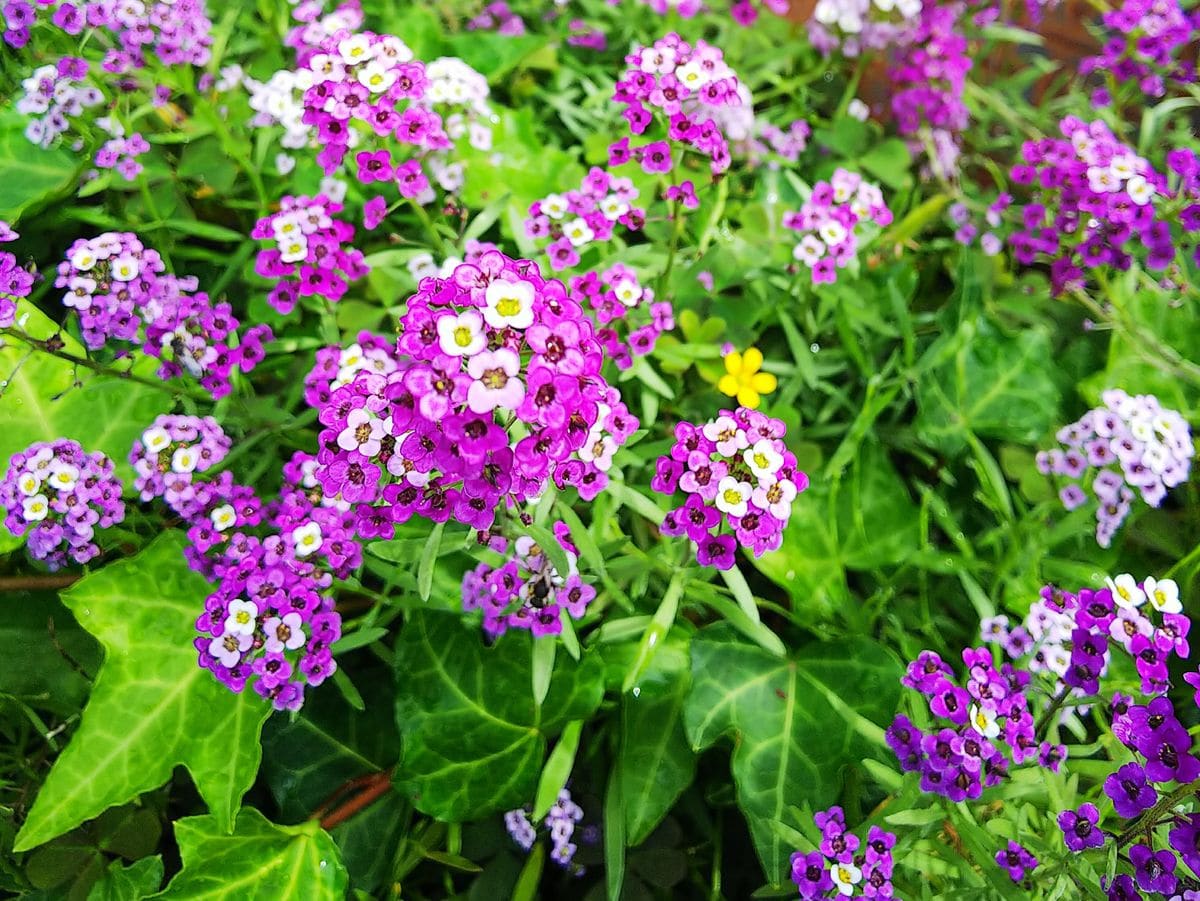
[498, 17]
[56, 94]
[464, 92]
[117, 285]
[735, 470]
[928, 78]
[338, 366]
[169, 456]
[121, 153]
[1127, 446]
[278, 101]
[1147, 36]
[527, 591]
[369, 84]
[855, 26]
[577, 219]
[313, 254]
[16, 18]
[317, 26]
[15, 280]
[1092, 204]
[613, 295]
[318, 528]
[422, 264]
[682, 81]
[60, 494]
[744, 12]
[843, 864]
[171, 32]
[966, 231]
[495, 339]
[560, 824]
[832, 222]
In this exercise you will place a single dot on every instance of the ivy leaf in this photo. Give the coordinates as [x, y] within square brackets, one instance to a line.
[474, 740]
[151, 708]
[129, 883]
[259, 861]
[655, 762]
[795, 723]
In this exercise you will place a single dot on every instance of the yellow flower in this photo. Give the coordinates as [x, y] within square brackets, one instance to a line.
[743, 379]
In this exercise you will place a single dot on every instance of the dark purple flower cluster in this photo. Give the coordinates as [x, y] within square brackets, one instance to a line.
[313, 254]
[60, 495]
[116, 285]
[495, 339]
[928, 77]
[613, 295]
[338, 366]
[1127, 446]
[683, 82]
[574, 220]
[171, 453]
[832, 221]
[526, 591]
[370, 84]
[1147, 36]
[1016, 861]
[1092, 204]
[736, 471]
[560, 823]
[842, 865]
[15, 280]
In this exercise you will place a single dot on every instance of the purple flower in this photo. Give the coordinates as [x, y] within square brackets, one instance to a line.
[1016, 861]
[1154, 871]
[1080, 828]
[1129, 792]
[811, 874]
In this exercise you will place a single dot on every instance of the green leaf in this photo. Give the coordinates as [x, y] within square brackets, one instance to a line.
[41, 646]
[473, 739]
[557, 770]
[140, 879]
[32, 175]
[655, 762]
[259, 862]
[796, 723]
[889, 162]
[151, 708]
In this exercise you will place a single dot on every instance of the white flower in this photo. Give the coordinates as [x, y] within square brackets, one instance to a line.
[284, 163]
[578, 232]
[293, 249]
[307, 539]
[845, 877]
[775, 497]
[1140, 191]
[461, 335]
[809, 250]
[377, 77]
[509, 304]
[35, 508]
[125, 269]
[613, 207]
[555, 206]
[184, 459]
[29, 484]
[156, 439]
[984, 722]
[241, 617]
[832, 233]
[856, 109]
[763, 459]
[228, 649]
[283, 633]
[63, 476]
[83, 259]
[1125, 591]
[356, 49]
[363, 433]
[223, 517]
[728, 435]
[692, 76]
[1163, 595]
[732, 496]
[628, 292]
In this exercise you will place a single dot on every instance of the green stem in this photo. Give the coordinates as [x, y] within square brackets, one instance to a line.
[1055, 705]
[1152, 815]
[426, 221]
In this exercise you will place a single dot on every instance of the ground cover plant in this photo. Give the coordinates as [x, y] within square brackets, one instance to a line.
[611, 450]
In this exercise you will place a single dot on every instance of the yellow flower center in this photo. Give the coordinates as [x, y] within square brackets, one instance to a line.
[732, 496]
[462, 336]
[508, 306]
[761, 461]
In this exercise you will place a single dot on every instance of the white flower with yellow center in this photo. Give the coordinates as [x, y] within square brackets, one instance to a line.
[628, 292]
[845, 877]
[1123, 166]
[764, 461]
[832, 233]
[307, 539]
[732, 496]
[125, 269]
[286, 226]
[284, 634]
[156, 440]
[241, 617]
[83, 259]
[555, 206]
[377, 76]
[35, 508]
[509, 304]
[63, 476]
[356, 49]
[984, 722]
[461, 335]
[1140, 191]
[1163, 595]
[1125, 591]
[293, 249]
[578, 232]
[223, 517]
[184, 460]
[613, 207]
[29, 484]
[692, 76]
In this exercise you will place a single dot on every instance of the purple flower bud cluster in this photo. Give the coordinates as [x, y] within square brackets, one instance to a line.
[169, 456]
[990, 726]
[370, 84]
[682, 81]
[613, 295]
[853, 27]
[1092, 204]
[338, 366]
[15, 280]
[60, 494]
[560, 824]
[1147, 35]
[113, 279]
[499, 17]
[526, 591]
[1016, 861]
[736, 471]
[121, 154]
[312, 256]
[842, 865]
[832, 221]
[495, 339]
[56, 94]
[928, 77]
[577, 219]
[1130, 445]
